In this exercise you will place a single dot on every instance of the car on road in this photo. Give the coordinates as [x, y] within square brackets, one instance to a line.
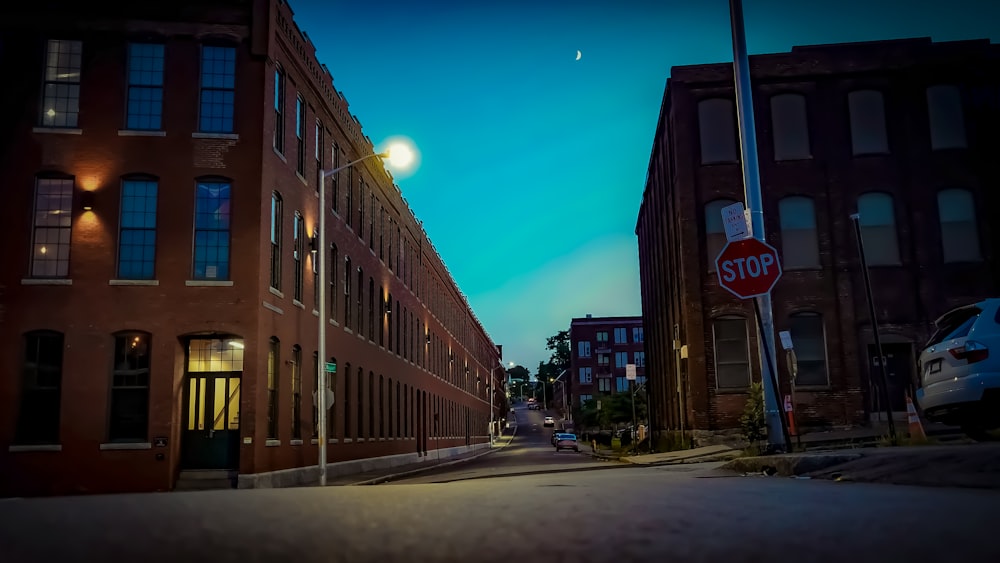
[959, 377]
[549, 422]
[567, 442]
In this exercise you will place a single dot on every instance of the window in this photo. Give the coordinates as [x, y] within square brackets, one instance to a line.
[621, 336]
[333, 276]
[334, 184]
[130, 388]
[381, 405]
[137, 230]
[868, 135]
[381, 234]
[381, 323]
[347, 292]
[586, 376]
[361, 207]
[878, 229]
[371, 223]
[298, 242]
[41, 385]
[799, 243]
[145, 86]
[53, 224]
[715, 231]
[361, 403]
[211, 231]
[944, 110]
[810, 348]
[349, 211]
[218, 84]
[717, 129]
[315, 387]
[637, 335]
[313, 243]
[389, 323]
[296, 392]
[621, 358]
[603, 359]
[273, 357]
[602, 337]
[276, 205]
[790, 127]
[959, 233]
[318, 150]
[361, 300]
[371, 309]
[621, 384]
[732, 352]
[583, 348]
[300, 135]
[279, 110]
[640, 359]
[584, 399]
[347, 401]
[604, 384]
[61, 89]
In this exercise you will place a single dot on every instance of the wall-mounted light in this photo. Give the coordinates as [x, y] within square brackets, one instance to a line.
[428, 338]
[388, 306]
[87, 200]
[313, 249]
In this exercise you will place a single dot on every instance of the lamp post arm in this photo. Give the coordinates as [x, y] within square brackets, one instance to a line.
[328, 173]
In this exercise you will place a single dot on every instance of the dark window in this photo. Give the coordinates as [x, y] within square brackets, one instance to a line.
[300, 135]
[371, 309]
[347, 401]
[361, 301]
[715, 231]
[298, 242]
[145, 86]
[318, 150]
[41, 385]
[361, 403]
[130, 388]
[348, 306]
[349, 211]
[333, 276]
[717, 131]
[296, 393]
[877, 216]
[809, 340]
[279, 110]
[959, 232]
[334, 184]
[947, 120]
[211, 234]
[867, 115]
[315, 387]
[371, 404]
[218, 85]
[732, 352]
[61, 88]
[791, 127]
[273, 375]
[799, 241]
[276, 214]
[53, 224]
[137, 230]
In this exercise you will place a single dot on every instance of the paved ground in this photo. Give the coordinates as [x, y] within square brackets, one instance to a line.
[675, 513]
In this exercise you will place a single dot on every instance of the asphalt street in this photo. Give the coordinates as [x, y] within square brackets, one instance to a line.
[530, 451]
[678, 513]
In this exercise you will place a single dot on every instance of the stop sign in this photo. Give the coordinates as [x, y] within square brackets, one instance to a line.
[748, 268]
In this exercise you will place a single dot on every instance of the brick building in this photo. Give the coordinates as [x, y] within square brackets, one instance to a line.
[900, 132]
[159, 285]
[600, 348]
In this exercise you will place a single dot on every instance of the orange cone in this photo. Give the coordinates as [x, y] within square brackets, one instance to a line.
[916, 428]
[790, 413]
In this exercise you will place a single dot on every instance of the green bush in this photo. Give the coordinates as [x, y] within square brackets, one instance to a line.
[752, 422]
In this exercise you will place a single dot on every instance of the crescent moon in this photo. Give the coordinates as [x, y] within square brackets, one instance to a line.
[579, 55]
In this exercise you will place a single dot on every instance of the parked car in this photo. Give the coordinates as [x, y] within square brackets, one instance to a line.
[567, 442]
[549, 422]
[959, 378]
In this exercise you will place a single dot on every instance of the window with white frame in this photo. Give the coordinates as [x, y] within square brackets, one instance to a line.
[279, 110]
[799, 242]
[878, 229]
[53, 226]
[732, 352]
[959, 231]
[586, 375]
[298, 251]
[145, 86]
[211, 234]
[218, 89]
[137, 229]
[276, 205]
[61, 87]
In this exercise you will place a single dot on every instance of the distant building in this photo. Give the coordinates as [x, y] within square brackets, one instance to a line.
[159, 289]
[901, 132]
[601, 347]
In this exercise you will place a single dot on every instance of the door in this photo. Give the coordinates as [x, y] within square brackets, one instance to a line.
[899, 367]
[212, 423]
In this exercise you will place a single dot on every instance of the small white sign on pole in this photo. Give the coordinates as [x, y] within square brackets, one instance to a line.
[786, 339]
[735, 220]
[630, 372]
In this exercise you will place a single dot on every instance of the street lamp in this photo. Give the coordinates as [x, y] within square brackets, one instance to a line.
[566, 410]
[404, 155]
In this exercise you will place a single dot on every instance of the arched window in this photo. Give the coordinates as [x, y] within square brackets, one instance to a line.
[959, 232]
[717, 131]
[732, 352]
[715, 231]
[809, 340]
[790, 127]
[947, 122]
[878, 229]
[799, 244]
[868, 134]
[276, 205]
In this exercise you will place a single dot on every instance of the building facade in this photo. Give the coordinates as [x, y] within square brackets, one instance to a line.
[601, 348]
[159, 286]
[899, 132]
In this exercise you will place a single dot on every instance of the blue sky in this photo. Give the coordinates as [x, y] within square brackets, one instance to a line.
[531, 163]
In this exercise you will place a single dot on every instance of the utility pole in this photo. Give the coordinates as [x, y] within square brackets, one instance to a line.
[754, 202]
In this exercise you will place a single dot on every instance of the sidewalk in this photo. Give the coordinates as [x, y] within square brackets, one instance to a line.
[377, 476]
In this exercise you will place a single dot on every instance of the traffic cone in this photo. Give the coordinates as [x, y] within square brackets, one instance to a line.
[916, 428]
[790, 413]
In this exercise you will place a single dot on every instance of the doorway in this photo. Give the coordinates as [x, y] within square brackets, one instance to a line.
[899, 367]
[211, 433]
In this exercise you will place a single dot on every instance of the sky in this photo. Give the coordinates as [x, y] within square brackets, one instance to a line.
[531, 164]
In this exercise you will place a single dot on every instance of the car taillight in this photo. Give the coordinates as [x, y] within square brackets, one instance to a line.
[972, 352]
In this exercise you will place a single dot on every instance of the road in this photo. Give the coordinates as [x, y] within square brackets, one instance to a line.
[676, 513]
[530, 451]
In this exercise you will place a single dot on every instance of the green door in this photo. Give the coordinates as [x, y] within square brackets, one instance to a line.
[212, 422]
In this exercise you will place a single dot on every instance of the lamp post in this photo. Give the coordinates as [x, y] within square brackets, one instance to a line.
[321, 251]
[562, 382]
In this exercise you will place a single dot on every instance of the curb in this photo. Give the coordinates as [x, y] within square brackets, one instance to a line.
[788, 465]
[540, 472]
[704, 458]
[393, 476]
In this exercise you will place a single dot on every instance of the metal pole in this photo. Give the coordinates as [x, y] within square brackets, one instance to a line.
[856, 219]
[752, 190]
[492, 430]
[321, 346]
[632, 389]
[786, 440]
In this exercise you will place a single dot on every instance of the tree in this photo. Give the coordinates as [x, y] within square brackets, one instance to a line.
[559, 345]
[547, 372]
[519, 374]
[752, 422]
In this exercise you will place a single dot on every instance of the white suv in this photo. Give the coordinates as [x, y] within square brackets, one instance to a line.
[959, 376]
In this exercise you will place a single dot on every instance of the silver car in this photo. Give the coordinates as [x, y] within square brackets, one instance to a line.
[959, 377]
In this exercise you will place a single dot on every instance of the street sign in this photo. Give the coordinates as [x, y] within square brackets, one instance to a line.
[786, 339]
[748, 268]
[331, 367]
[736, 222]
[630, 372]
[329, 398]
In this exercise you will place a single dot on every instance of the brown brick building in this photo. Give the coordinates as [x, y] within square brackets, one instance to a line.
[600, 348]
[158, 289]
[902, 133]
